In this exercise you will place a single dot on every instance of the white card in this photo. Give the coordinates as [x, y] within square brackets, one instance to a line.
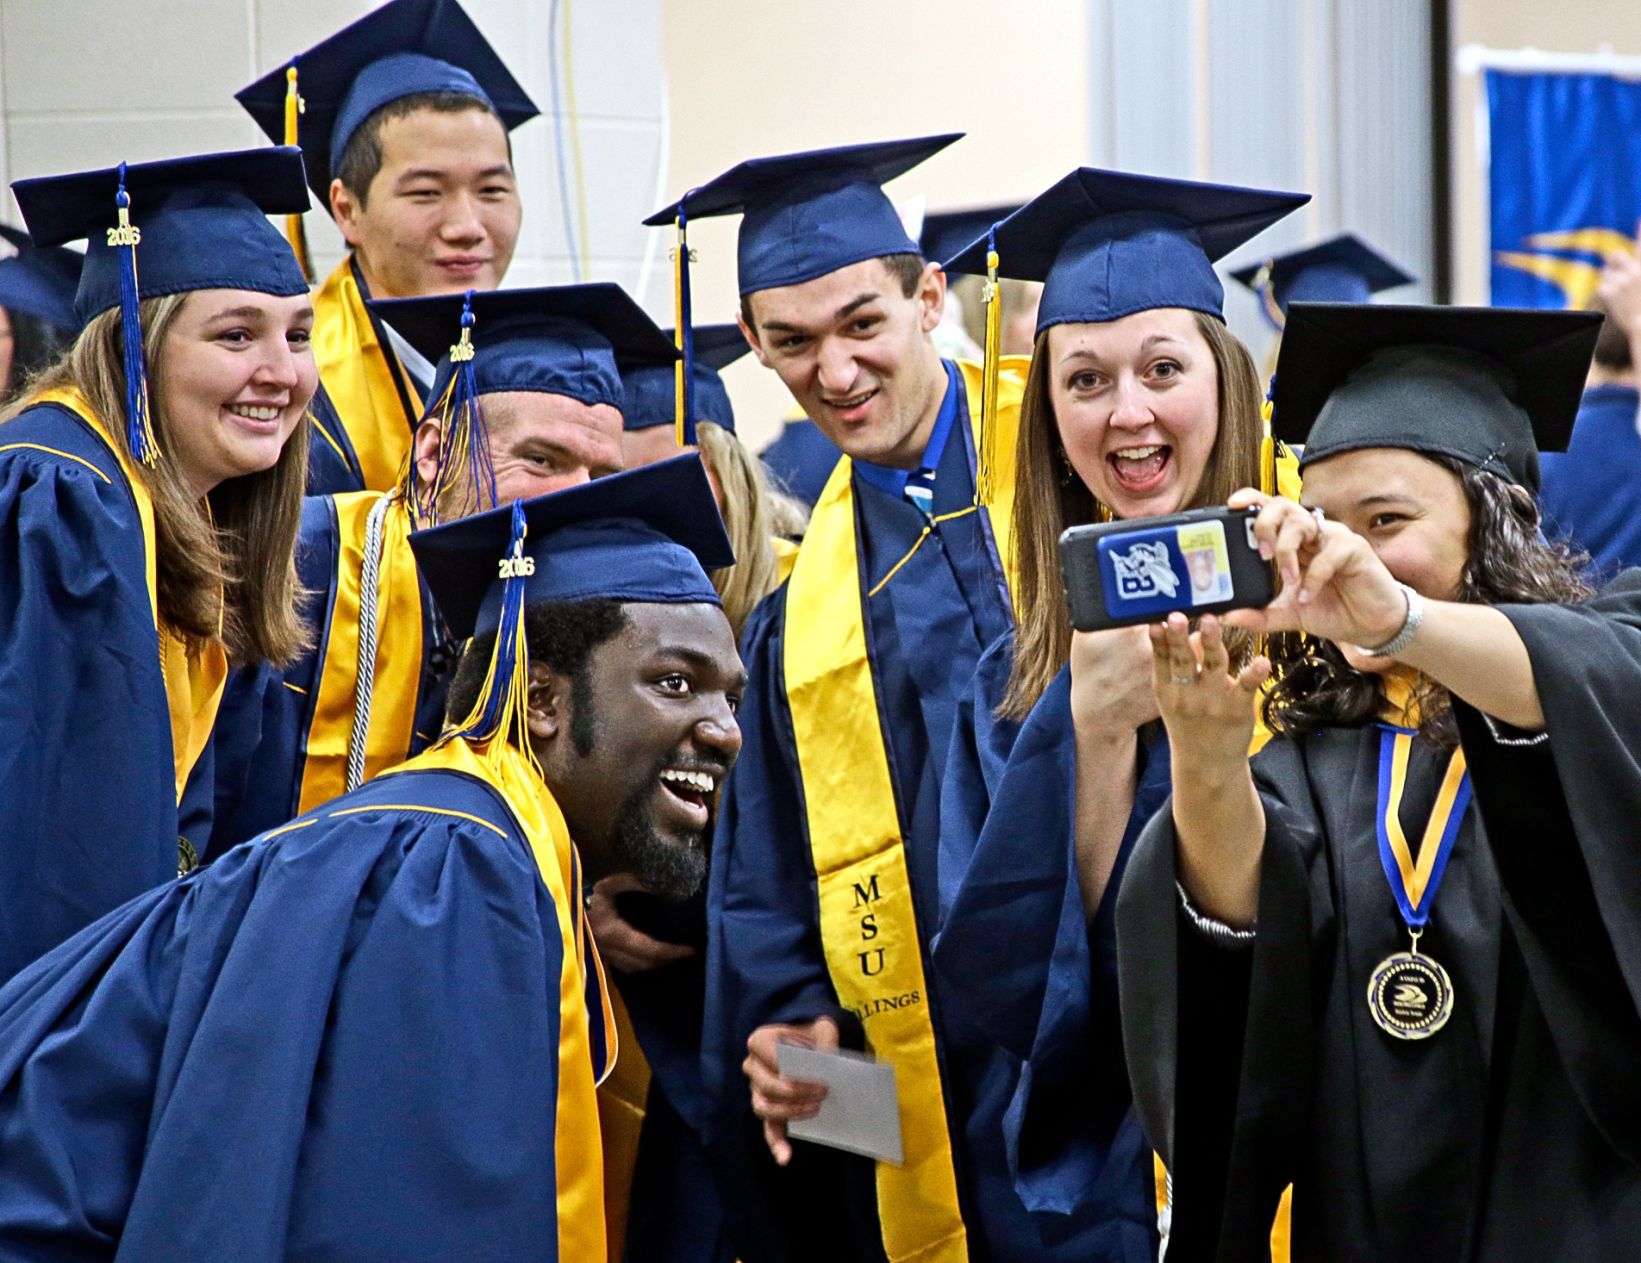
[861, 1112]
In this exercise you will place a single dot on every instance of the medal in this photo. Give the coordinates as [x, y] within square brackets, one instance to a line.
[1410, 995]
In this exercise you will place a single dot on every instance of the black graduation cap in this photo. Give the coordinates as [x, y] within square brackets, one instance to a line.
[1342, 269]
[40, 281]
[402, 49]
[808, 214]
[1491, 386]
[946, 232]
[554, 339]
[651, 392]
[1107, 244]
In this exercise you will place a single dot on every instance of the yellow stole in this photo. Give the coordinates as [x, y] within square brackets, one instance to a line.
[577, 1144]
[398, 654]
[359, 374]
[193, 680]
[868, 926]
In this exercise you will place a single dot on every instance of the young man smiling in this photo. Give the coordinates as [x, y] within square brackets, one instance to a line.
[823, 885]
[404, 129]
[375, 1033]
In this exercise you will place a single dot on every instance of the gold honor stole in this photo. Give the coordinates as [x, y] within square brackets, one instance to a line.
[193, 681]
[577, 1145]
[398, 672]
[868, 925]
[360, 375]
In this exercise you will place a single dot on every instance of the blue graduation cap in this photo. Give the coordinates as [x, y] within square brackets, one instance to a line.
[1342, 269]
[947, 232]
[402, 49]
[1491, 386]
[652, 392]
[40, 281]
[648, 535]
[1107, 244]
[194, 223]
[572, 340]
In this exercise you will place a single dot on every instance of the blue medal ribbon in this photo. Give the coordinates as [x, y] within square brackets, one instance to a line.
[1414, 879]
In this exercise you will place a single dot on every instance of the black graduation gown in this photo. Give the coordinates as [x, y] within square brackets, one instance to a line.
[1513, 1133]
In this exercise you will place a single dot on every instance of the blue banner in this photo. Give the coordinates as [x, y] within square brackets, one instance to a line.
[1565, 182]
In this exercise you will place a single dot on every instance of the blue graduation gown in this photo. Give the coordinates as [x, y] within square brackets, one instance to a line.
[268, 713]
[1592, 492]
[802, 459]
[925, 631]
[83, 710]
[333, 465]
[338, 1042]
[1022, 963]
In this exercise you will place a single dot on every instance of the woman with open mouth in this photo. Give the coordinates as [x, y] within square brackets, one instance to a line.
[1140, 403]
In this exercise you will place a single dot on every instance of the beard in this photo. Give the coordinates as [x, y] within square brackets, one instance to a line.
[671, 869]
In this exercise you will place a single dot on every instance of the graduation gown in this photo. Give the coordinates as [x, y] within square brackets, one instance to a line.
[1512, 1133]
[284, 733]
[107, 715]
[333, 465]
[1592, 491]
[926, 624]
[376, 399]
[1069, 1167]
[364, 1036]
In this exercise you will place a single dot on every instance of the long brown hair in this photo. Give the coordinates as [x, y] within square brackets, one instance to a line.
[1048, 499]
[1507, 560]
[753, 515]
[226, 559]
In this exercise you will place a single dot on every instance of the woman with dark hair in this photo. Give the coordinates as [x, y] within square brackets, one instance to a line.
[1394, 961]
[150, 488]
[1139, 403]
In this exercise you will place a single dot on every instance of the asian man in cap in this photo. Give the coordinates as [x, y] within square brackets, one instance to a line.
[375, 1033]
[403, 122]
[527, 400]
[822, 898]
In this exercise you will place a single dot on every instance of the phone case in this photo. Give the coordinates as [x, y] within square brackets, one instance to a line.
[1204, 561]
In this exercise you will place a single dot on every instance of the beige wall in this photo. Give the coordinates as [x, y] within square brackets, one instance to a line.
[753, 77]
[1562, 26]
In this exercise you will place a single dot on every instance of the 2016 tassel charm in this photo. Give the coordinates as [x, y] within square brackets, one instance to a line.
[139, 426]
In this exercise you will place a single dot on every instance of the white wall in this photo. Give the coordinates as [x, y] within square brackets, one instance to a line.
[87, 83]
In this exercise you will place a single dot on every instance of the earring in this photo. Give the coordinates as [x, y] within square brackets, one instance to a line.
[1067, 473]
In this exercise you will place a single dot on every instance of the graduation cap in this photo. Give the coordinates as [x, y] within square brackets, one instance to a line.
[40, 281]
[192, 223]
[571, 340]
[652, 394]
[648, 535]
[1342, 269]
[1490, 386]
[402, 49]
[945, 233]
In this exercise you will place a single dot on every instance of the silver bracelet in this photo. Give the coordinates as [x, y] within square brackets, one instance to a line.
[1537, 738]
[1216, 932]
[1410, 627]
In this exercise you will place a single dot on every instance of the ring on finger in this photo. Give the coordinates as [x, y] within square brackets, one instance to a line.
[1183, 680]
[1316, 512]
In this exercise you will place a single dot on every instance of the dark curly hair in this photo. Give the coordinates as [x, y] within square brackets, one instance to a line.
[1313, 687]
[562, 634]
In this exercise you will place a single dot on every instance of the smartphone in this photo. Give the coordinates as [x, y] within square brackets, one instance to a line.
[1205, 561]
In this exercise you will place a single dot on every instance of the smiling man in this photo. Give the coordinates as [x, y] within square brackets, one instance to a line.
[822, 896]
[375, 1033]
[536, 408]
[404, 128]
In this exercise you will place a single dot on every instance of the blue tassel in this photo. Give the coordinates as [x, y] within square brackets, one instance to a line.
[464, 439]
[503, 700]
[139, 425]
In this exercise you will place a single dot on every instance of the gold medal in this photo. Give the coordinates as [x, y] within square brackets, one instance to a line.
[1410, 995]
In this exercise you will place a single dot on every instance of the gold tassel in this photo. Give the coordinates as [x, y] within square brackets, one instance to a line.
[295, 233]
[987, 456]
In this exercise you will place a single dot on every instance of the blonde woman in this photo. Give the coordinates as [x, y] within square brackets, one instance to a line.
[1139, 403]
[150, 487]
